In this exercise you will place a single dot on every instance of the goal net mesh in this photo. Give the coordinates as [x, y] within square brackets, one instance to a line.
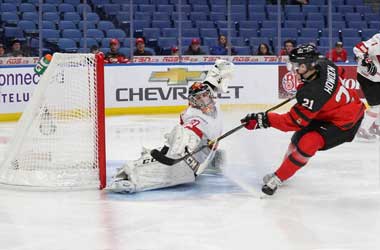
[56, 140]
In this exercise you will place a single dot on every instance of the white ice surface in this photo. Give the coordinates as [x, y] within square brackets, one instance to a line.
[331, 204]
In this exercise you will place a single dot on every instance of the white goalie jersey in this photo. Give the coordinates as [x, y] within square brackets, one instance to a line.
[371, 47]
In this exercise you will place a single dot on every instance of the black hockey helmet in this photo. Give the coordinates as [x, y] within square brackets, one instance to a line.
[306, 54]
[201, 96]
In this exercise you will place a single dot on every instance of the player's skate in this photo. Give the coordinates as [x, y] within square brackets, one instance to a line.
[364, 135]
[374, 129]
[271, 183]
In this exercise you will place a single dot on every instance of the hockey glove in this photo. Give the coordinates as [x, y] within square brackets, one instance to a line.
[256, 121]
[371, 67]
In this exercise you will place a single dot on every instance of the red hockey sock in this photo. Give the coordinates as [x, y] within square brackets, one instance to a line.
[298, 155]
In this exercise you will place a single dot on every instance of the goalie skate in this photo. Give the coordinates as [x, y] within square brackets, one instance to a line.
[121, 186]
[364, 136]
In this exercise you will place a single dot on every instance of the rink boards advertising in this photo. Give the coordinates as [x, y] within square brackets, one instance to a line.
[162, 87]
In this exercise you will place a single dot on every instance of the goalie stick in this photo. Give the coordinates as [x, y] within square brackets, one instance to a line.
[162, 158]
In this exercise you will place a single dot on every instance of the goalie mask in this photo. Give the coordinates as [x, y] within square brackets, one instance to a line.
[201, 97]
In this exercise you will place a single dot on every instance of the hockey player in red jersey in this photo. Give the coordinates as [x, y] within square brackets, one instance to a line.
[326, 114]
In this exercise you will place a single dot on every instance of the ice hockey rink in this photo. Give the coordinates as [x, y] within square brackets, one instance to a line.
[331, 204]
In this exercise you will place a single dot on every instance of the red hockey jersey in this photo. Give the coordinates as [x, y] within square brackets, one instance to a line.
[324, 99]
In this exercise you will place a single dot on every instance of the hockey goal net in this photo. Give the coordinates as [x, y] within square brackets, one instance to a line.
[59, 141]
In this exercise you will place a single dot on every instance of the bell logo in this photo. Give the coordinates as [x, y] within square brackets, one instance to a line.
[177, 76]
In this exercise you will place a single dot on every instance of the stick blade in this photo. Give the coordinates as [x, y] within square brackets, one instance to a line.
[160, 157]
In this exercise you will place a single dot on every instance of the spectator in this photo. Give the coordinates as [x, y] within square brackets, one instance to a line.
[16, 49]
[337, 54]
[94, 49]
[2, 50]
[195, 48]
[140, 48]
[222, 47]
[175, 51]
[114, 56]
[263, 50]
[288, 46]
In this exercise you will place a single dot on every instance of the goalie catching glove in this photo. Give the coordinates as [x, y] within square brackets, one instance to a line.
[220, 75]
[256, 121]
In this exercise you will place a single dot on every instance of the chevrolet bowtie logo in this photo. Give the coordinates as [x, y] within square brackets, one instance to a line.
[177, 76]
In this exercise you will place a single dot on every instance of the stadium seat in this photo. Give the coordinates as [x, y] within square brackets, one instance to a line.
[90, 42]
[27, 7]
[165, 8]
[238, 8]
[300, 17]
[257, 16]
[253, 8]
[357, 24]
[51, 16]
[74, 34]
[8, 7]
[309, 32]
[269, 24]
[89, 25]
[354, 2]
[56, 2]
[167, 42]
[237, 17]
[151, 32]
[216, 16]
[95, 33]
[65, 7]
[268, 32]
[48, 25]
[27, 25]
[315, 24]
[350, 32]
[339, 24]
[221, 24]
[47, 7]
[50, 35]
[66, 25]
[219, 8]
[13, 32]
[71, 16]
[105, 25]
[199, 2]
[372, 17]
[169, 32]
[314, 16]
[175, 16]
[345, 9]
[274, 16]
[256, 41]
[160, 16]
[238, 41]
[111, 9]
[353, 17]
[194, 32]
[147, 8]
[205, 32]
[116, 33]
[325, 42]
[141, 24]
[374, 25]
[292, 9]
[125, 51]
[310, 8]
[317, 2]
[243, 50]
[194, 16]
[364, 9]
[248, 25]
[161, 24]
[210, 41]
[9, 17]
[204, 24]
[73, 2]
[93, 17]
[246, 33]
[201, 7]
[289, 32]
[127, 42]
[225, 31]
[293, 24]
[186, 24]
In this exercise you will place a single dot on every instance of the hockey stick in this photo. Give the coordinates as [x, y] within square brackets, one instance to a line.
[162, 158]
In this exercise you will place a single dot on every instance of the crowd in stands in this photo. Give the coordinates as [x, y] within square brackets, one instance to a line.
[253, 30]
